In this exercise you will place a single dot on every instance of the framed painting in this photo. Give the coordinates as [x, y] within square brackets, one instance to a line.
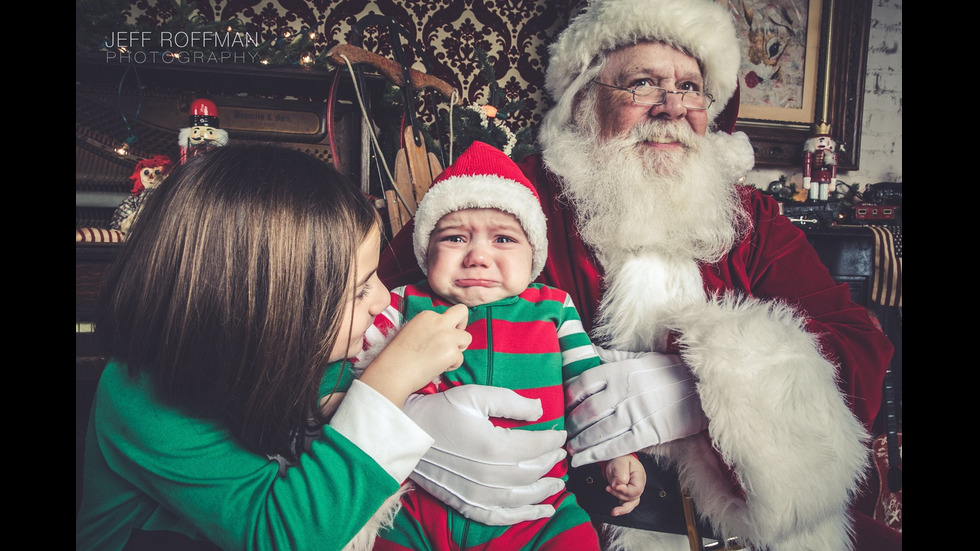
[780, 41]
[804, 62]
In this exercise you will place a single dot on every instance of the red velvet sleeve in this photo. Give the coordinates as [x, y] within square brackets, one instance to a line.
[777, 262]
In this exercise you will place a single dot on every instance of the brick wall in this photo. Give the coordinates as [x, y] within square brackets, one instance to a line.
[881, 142]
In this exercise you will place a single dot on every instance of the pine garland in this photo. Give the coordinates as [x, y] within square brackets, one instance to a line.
[489, 123]
[96, 19]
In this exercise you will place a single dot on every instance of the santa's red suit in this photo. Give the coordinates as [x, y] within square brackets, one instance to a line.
[773, 355]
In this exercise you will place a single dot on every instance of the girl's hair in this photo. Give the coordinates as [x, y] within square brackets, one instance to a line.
[230, 289]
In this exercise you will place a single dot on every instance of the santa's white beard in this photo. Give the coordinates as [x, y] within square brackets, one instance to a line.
[650, 217]
[629, 198]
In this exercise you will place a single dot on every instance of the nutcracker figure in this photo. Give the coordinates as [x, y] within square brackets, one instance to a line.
[820, 163]
[204, 133]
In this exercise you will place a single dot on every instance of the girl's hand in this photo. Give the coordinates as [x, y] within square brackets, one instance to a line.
[426, 346]
[429, 344]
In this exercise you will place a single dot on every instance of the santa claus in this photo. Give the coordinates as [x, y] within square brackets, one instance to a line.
[753, 377]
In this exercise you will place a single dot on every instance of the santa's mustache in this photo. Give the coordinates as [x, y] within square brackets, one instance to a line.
[663, 132]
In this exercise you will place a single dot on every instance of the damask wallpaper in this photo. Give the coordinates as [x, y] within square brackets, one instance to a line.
[441, 37]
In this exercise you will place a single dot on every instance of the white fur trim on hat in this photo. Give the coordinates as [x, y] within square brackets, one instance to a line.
[703, 28]
[481, 191]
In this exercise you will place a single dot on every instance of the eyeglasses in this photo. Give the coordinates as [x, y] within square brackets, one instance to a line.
[652, 95]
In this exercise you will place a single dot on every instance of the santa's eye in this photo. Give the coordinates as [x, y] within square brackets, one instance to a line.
[689, 86]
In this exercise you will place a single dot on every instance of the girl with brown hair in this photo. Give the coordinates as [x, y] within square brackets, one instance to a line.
[248, 280]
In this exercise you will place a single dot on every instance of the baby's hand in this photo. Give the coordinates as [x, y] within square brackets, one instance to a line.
[627, 478]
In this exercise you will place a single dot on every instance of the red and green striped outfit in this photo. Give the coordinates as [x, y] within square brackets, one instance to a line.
[532, 343]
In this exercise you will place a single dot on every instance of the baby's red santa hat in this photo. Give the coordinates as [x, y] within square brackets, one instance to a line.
[483, 177]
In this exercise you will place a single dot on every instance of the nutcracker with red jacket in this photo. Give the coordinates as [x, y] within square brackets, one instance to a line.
[820, 163]
[147, 176]
[204, 132]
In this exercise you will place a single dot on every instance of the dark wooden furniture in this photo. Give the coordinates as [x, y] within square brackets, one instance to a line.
[849, 253]
[306, 109]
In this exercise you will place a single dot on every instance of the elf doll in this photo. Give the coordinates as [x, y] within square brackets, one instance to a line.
[204, 132]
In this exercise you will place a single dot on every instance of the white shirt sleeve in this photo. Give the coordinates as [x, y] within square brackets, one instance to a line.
[381, 430]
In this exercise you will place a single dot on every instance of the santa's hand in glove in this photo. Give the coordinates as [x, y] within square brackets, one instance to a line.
[629, 405]
[489, 474]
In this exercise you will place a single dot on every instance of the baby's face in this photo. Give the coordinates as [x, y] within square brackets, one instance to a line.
[478, 256]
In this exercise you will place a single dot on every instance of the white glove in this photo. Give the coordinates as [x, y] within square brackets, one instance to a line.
[609, 356]
[489, 474]
[629, 405]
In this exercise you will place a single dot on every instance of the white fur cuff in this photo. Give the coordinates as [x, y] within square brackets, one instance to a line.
[777, 416]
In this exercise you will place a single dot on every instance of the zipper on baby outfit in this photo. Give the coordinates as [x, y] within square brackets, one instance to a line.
[490, 348]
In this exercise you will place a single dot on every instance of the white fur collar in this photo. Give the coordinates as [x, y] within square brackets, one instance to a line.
[639, 291]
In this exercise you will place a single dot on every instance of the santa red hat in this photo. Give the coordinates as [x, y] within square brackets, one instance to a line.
[483, 177]
[702, 28]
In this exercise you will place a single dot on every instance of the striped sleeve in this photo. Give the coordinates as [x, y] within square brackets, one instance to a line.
[577, 352]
